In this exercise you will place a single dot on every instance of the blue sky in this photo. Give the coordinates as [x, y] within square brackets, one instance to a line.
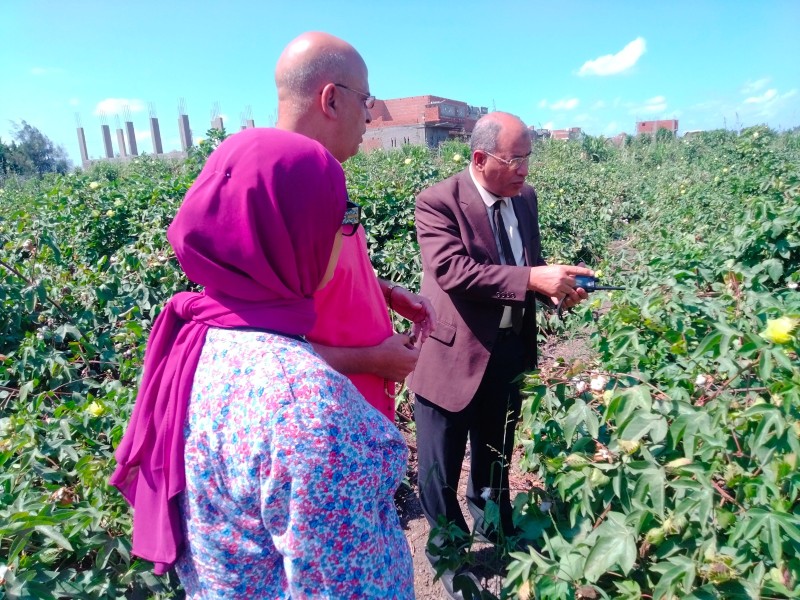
[598, 65]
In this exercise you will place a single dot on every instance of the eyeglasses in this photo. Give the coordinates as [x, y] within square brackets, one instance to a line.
[514, 163]
[369, 101]
[352, 217]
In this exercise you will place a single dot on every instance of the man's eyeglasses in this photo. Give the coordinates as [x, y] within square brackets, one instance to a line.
[369, 101]
[352, 217]
[514, 163]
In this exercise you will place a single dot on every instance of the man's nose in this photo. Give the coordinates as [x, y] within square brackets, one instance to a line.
[369, 116]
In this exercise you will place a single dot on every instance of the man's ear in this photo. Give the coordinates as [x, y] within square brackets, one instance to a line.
[479, 159]
[328, 100]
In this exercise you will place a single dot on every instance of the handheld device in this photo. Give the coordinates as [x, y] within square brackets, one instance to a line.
[590, 284]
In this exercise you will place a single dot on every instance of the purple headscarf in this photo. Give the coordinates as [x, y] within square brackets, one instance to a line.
[256, 229]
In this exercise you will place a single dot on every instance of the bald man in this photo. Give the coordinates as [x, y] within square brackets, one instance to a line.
[482, 265]
[323, 93]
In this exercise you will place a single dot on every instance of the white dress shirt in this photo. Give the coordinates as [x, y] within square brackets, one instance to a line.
[512, 229]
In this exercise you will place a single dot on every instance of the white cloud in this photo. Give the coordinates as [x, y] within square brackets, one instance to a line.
[657, 104]
[765, 97]
[112, 106]
[598, 105]
[766, 106]
[611, 64]
[74, 102]
[582, 118]
[612, 128]
[564, 104]
[752, 87]
[142, 134]
[548, 125]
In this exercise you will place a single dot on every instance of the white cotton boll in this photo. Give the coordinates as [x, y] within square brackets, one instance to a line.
[486, 493]
[701, 380]
[580, 387]
[599, 383]
[545, 506]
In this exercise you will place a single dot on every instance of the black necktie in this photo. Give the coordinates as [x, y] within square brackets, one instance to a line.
[507, 254]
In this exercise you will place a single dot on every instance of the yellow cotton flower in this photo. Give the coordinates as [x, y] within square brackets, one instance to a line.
[94, 185]
[780, 330]
[95, 409]
[457, 158]
[407, 161]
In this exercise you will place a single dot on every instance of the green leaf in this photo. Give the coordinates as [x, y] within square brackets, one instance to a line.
[710, 343]
[54, 535]
[650, 486]
[615, 545]
[581, 413]
[636, 427]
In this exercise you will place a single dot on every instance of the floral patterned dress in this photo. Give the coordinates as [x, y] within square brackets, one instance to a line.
[290, 479]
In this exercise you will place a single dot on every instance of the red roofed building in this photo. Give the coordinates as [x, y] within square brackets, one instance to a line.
[573, 133]
[652, 127]
[428, 120]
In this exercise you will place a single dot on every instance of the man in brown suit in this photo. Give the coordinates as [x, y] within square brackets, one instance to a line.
[482, 266]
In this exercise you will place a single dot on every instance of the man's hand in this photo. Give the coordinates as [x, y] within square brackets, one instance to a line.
[557, 282]
[394, 358]
[417, 309]
[570, 301]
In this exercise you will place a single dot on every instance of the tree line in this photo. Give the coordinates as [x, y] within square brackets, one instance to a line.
[31, 153]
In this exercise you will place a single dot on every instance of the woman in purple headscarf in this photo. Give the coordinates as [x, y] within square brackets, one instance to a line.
[248, 460]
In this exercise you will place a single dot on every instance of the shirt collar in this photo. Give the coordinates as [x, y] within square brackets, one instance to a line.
[488, 198]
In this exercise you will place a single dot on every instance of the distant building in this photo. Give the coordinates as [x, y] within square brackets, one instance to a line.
[652, 127]
[619, 139]
[421, 120]
[539, 134]
[573, 133]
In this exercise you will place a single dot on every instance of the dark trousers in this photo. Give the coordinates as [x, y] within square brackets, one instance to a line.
[489, 421]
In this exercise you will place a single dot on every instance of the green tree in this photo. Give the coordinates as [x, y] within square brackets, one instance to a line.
[32, 153]
[4, 154]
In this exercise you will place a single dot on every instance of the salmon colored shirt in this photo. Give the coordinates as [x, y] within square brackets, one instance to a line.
[351, 312]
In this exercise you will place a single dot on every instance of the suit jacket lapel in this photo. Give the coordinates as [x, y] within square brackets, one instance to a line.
[475, 212]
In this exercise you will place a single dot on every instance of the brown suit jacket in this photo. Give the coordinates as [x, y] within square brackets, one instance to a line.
[468, 286]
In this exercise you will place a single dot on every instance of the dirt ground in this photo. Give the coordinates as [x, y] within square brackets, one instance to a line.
[410, 510]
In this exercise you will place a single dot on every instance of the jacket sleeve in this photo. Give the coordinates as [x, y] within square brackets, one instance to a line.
[455, 256]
